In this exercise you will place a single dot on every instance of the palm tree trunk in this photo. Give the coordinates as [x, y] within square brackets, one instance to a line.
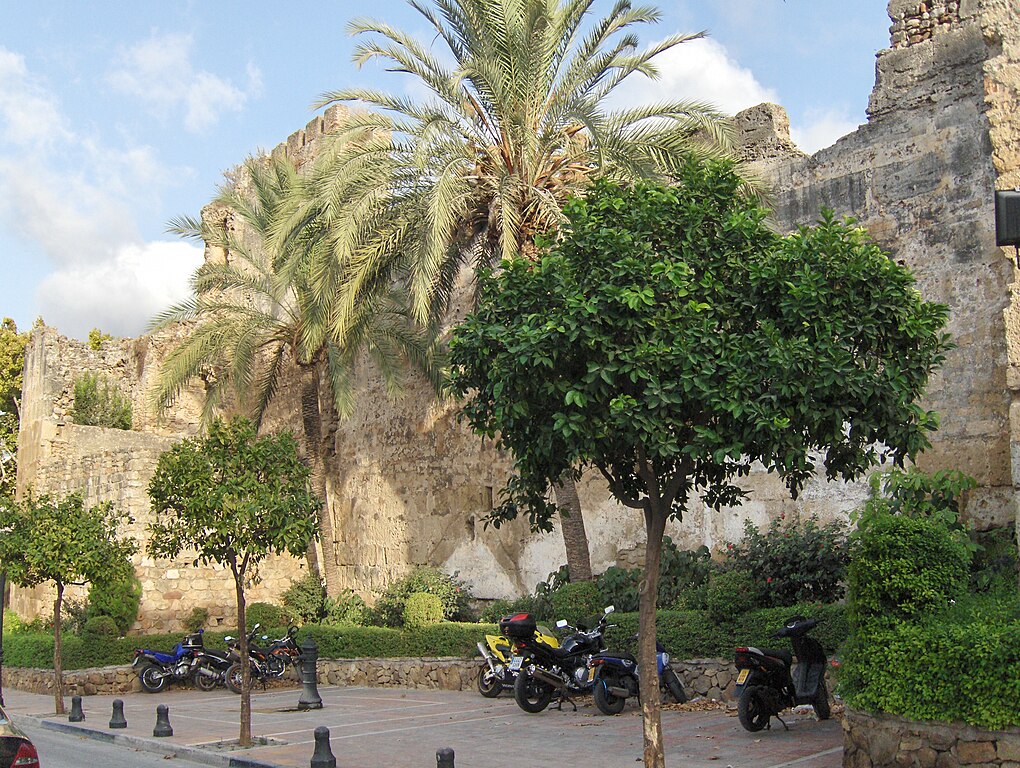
[311, 422]
[651, 714]
[575, 538]
[58, 666]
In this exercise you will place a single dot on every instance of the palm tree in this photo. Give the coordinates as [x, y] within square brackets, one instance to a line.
[516, 123]
[255, 321]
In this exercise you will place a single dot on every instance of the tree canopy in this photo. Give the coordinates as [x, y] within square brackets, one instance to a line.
[670, 340]
[12, 364]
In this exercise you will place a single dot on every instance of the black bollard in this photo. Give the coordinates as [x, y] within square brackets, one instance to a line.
[323, 755]
[118, 720]
[162, 722]
[76, 715]
[444, 758]
[309, 676]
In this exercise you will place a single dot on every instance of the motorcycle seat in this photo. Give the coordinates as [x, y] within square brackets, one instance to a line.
[777, 653]
[622, 656]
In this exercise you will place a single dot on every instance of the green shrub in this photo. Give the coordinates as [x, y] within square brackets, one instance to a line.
[495, 610]
[730, 594]
[576, 601]
[73, 615]
[306, 598]
[266, 614]
[100, 626]
[197, 619]
[904, 566]
[681, 571]
[422, 609]
[98, 402]
[800, 563]
[389, 608]
[12, 622]
[345, 608]
[995, 567]
[946, 666]
[119, 597]
[619, 587]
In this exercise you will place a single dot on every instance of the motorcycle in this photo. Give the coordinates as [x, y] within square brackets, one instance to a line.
[544, 670]
[211, 666]
[495, 675]
[157, 669]
[614, 677]
[766, 685]
[266, 663]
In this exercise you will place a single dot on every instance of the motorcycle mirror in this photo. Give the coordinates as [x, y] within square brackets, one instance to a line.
[265, 637]
[609, 609]
[561, 624]
[228, 639]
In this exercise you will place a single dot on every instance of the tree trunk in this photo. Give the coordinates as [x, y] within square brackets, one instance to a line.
[58, 666]
[244, 738]
[655, 527]
[575, 538]
[311, 422]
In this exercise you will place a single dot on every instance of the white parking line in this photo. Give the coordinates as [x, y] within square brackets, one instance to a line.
[393, 720]
[333, 738]
[800, 760]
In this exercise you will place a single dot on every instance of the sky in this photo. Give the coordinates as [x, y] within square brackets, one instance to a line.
[116, 117]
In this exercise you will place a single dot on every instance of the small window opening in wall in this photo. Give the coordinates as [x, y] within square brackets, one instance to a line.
[488, 498]
[471, 529]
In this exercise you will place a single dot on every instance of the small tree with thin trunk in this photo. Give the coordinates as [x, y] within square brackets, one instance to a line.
[46, 538]
[233, 498]
[671, 340]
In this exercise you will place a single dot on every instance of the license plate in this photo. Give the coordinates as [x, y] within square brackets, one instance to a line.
[591, 674]
[743, 676]
[515, 663]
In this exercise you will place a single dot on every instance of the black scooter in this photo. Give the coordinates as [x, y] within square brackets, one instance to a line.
[766, 685]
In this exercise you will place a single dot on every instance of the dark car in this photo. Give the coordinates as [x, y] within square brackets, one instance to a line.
[16, 750]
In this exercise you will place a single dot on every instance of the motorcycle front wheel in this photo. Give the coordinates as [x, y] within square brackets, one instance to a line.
[489, 684]
[674, 686]
[607, 702]
[233, 677]
[152, 679]
[752, 710]
[530, 694]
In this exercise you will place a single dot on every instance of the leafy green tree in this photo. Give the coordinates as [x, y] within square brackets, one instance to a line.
[671, 340]
[518, 120]
[233, 498]
[44, 539]
[12, 364]
[257, 317]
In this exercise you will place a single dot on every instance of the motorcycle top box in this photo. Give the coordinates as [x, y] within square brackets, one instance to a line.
[519, 626]
[193, 641]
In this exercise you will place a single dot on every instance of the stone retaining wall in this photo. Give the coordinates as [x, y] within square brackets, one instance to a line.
[712, 678]
[887, 741]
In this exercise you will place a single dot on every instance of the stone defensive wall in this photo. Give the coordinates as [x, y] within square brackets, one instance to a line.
[411, 485]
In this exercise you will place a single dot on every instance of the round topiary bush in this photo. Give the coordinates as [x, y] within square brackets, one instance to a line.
[422, 609]
[266, 614]
[730, 594]
[100, 626]
[389, 608]
[576, 601]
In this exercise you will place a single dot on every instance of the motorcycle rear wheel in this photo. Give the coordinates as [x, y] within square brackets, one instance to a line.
[608, 703]
[674, 686]
[530, 694]
[821, 702]
[206, 682]
[152, 679]
[752, 710]
[489, 684]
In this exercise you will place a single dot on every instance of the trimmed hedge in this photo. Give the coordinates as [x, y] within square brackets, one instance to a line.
[686, 635]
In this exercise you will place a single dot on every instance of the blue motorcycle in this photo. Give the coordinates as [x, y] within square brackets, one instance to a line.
[615, 679]
[157, 669]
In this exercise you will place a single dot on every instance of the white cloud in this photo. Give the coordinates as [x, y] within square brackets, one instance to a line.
[159, 72]
[822, 128]
[29, 115]
[121, 293]
[699, 70]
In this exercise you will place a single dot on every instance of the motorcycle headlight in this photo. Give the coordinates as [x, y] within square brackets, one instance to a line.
[665, 658]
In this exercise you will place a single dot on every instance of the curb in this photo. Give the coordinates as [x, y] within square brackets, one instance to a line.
[183, 751]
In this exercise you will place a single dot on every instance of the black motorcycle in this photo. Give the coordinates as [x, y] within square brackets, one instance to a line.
[767, 683]
[211, 666]
[267, 662]
[546, 671]
[615, 677]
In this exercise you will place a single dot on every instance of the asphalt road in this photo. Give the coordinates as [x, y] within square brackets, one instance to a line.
[64, 750]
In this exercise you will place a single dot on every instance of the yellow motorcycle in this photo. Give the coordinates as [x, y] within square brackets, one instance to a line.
[499, 672]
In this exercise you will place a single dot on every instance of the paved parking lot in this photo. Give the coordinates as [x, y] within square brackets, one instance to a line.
[399, 728]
